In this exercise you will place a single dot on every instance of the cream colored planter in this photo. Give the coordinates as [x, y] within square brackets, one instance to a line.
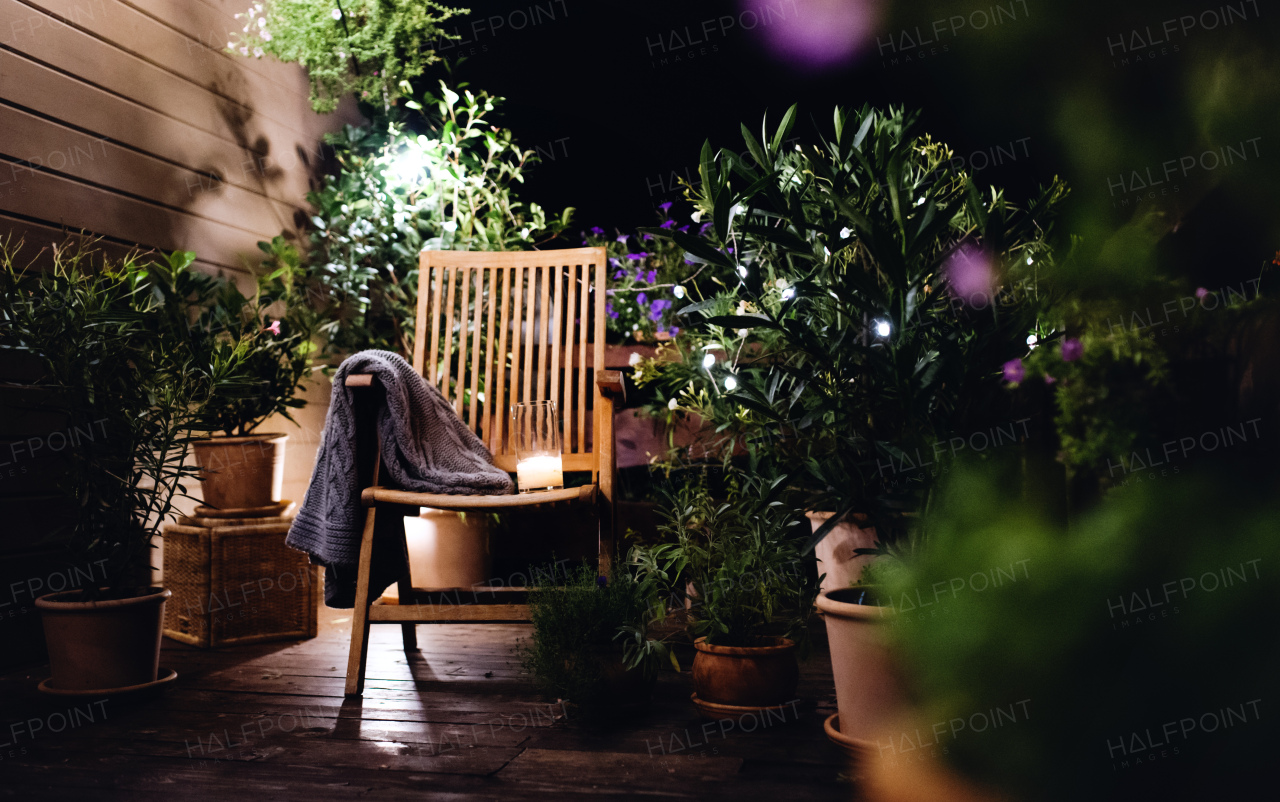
[447, 550]
[868, 696]
[837, 561]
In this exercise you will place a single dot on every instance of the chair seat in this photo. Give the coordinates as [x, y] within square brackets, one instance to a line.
[585, 494]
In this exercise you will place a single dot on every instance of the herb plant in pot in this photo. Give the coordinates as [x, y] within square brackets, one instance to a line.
[739, 560]
[106, 334]
[243, 470]
[590, 645]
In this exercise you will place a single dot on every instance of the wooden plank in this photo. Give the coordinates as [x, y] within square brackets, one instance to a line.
[570, 438]
[584, 288]
[501, 418]
[446, 355]
[464, 320]
[492, 275]
[97, 160]
[63, 201]
[543, 332]
[477, 365]
[439, 612]
[281, 174]
[241, 91]
[80, 54]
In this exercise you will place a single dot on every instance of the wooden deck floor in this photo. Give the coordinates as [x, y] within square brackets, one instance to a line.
[457, 721]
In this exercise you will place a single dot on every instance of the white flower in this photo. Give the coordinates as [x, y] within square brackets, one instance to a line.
[781, 284]
[450, 226]
[696, 216]
[635, 327]
[743, 332]
[266, 36]
[231, 45]
[336, 14]
[262, 22]
[1033, 340]
[244, 51]
[245, 29]
[634, 359]
[845, 232]
[257, 52]
[251, 13]
[677, 291]
[671, 404]
[730, 383]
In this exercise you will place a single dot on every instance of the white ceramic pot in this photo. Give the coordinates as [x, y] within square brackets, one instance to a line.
[835, 552]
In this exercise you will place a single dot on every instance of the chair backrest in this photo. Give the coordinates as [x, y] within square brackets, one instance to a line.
[497, 328]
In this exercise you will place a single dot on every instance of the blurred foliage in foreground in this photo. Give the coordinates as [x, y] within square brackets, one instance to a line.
[1135, 654]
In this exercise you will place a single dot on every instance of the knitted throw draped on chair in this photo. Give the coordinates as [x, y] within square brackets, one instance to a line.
[426, 448]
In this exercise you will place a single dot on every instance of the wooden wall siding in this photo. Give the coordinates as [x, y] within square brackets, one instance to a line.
[125, 118]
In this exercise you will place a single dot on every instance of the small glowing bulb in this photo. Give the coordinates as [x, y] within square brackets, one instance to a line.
[677, 291]
[845, 232]
[1028, 260]
[742, 271]
[730, 383]
[919, 201]
[708, 361]
[1033, 340]
[743, 332]
[883, 328]
[788, 293]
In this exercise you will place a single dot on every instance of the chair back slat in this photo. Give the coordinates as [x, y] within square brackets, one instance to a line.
[507, 327]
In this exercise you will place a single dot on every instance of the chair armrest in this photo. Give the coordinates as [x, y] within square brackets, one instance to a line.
[359, 380]
[610, 384]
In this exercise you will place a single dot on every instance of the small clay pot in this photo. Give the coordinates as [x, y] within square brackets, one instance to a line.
[102, 645]
[749, 677]
[241, 472]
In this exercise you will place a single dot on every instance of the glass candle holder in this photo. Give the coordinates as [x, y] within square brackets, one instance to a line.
[536, 429]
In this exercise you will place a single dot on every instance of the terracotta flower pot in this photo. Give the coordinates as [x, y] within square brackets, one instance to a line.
[839, 566]
[241, 472]
[102, 645]
[745, 677]
[867, 690]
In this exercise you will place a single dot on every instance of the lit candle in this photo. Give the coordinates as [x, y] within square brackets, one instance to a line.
[539, 473]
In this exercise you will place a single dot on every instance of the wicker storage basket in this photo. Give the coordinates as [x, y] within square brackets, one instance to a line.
[237, 582]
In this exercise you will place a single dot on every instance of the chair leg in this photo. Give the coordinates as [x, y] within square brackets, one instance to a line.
[408, 632]
[360, 613]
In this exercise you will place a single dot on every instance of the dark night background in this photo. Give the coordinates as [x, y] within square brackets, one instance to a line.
[586, 87]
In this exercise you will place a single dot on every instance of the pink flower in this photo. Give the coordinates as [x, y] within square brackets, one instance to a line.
[1014, 371]
[1072, 349]
[1201, 293]
[1049, 379]
[274, 328]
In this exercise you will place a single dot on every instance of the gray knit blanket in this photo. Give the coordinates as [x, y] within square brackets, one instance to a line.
[425, 448]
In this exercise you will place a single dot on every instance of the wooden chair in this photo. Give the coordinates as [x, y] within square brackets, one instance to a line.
[494, 329]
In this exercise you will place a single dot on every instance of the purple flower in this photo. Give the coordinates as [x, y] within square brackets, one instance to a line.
[668, 224]
[597, 231]
[689, 261]
[646, 237]
[971, 276]
[619, 275]
[614, 262]
[666, 207]
[651, 276]
[1014, 371]
[655, 311]
[622, 238]
[608, 310]
[640, 257]
[642, 298]
[1201, 293]
[602, 581]
[1049, 379]
[674, 330]
[702, 231]
[1072, 349]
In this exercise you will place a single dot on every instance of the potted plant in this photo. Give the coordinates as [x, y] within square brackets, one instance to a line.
[590, 644]
[105, 332]
[739, 562]
[243, 470]
[867, 686]
[877, 292]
